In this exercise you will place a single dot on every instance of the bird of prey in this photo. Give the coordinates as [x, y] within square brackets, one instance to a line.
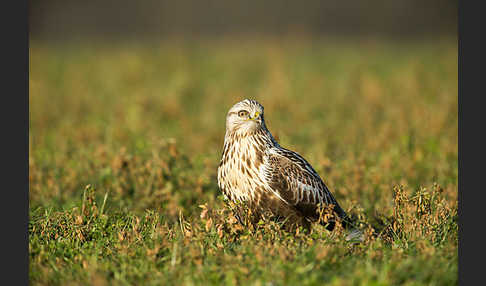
[269, 179]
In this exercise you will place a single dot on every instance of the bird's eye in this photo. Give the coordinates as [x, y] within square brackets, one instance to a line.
[242, 113]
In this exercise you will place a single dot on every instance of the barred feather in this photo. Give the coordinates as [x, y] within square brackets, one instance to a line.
[256, 170]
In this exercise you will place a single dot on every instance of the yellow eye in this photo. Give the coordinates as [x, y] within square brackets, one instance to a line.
[242, 113]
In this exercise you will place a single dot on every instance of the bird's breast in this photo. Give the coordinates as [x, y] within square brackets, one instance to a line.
[241, 171]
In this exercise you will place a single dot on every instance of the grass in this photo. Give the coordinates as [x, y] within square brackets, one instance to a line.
[125, 141]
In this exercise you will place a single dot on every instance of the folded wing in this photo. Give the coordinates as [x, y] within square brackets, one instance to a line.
[298, 184]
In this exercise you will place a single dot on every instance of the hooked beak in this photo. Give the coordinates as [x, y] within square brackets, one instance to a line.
[255, 116]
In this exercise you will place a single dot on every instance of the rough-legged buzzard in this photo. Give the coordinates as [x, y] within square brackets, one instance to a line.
[257, 171]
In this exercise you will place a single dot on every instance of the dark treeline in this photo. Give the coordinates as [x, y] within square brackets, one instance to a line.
[74, 19]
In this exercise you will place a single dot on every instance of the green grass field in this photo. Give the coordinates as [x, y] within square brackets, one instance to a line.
[125, 140]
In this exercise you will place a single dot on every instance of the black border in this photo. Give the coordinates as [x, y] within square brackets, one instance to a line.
[471, 79]
[15, 140]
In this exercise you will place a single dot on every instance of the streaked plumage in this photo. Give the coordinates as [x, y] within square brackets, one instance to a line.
[256, 170]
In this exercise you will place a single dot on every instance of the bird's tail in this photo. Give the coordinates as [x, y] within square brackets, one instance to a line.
[353, 233]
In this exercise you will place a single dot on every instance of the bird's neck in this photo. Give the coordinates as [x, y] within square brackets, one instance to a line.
[260, 138]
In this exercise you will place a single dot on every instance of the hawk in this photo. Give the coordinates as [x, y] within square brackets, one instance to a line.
[255, 170]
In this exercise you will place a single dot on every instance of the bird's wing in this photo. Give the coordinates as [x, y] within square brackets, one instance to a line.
[297, 183]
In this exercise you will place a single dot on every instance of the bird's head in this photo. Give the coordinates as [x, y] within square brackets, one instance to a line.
[245, 117]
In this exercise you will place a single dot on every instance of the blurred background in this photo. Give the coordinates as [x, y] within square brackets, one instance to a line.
[130, 97]
[152, 19]
[352, 85]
